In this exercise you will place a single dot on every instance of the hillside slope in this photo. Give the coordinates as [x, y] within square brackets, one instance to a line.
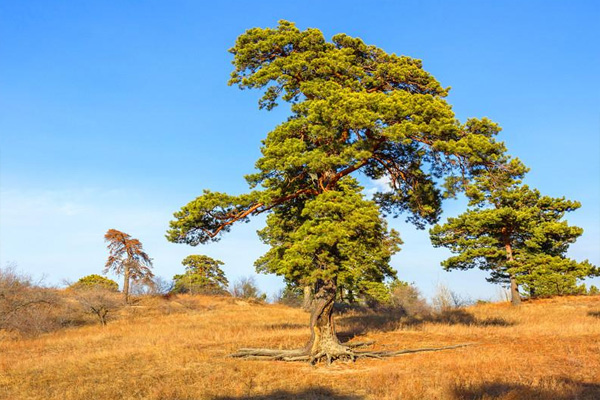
[548, 349]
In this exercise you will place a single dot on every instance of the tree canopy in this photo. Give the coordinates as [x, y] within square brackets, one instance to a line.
[202, 275]
[127, 257]
[95, 281]
[337, 235]
[516, 234]
[354, 107]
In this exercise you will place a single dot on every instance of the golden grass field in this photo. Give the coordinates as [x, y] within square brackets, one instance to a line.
[159, 349]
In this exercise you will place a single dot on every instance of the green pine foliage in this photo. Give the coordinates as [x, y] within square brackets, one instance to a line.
[202, 275]
[95, 282]
[336, 236]
[514, 231]
[354, 108]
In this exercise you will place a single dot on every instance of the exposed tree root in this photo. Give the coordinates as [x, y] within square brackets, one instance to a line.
[344, 353]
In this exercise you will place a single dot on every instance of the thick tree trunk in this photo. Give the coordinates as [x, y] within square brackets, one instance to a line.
[324, 343]
[307, 301]
[126, 284]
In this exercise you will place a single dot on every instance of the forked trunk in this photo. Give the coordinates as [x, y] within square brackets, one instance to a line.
[324, 343]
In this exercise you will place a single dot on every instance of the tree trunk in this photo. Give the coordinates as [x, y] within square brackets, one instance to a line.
[126, 284]
[324, 343]
[306, 304]
[515, 297]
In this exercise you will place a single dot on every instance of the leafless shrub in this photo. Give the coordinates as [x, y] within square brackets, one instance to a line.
[26, 307]
[408, 298]
[445, 299]
[246, 288]
[162, 286]
[100, 302]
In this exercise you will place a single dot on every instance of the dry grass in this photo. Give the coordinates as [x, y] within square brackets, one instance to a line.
[548, 349]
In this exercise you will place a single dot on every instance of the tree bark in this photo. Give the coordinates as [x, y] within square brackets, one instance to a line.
[324, 343]
[307, 301]
[515, 297]
[126, 283]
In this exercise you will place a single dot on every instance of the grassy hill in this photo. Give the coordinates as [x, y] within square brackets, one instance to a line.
[177, 349]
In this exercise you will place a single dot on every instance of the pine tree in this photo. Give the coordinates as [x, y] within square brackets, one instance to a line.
[127, 257]
[516, 234]
[202, 275]
[354, 108]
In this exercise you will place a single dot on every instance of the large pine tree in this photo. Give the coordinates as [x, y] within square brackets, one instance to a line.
[354, 108]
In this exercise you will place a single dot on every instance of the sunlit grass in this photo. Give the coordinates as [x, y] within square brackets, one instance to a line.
[548, 349]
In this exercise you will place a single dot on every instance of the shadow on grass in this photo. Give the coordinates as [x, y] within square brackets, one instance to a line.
[563, 389]
[352, 325]
[594, 314]
[310, 393]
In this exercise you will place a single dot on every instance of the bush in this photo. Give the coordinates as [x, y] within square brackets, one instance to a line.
[445, 299]
[407, 297]
[99, 302]
[27, 308]
[290, 296]
[246, 288]
[95, 282]
[161, 286]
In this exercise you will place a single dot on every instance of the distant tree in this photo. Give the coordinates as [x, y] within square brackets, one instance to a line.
[290, 295]
[354, 108]
[516, 234]
[202, 275]
[128, 258]
[95, 281]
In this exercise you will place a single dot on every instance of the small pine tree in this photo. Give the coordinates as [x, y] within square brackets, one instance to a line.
[202, 275]
[95, 282]
[127, 257]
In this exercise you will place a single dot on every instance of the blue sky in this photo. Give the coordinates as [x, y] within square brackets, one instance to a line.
[114, 114]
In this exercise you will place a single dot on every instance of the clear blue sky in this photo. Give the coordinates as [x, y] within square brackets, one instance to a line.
[113, 114]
